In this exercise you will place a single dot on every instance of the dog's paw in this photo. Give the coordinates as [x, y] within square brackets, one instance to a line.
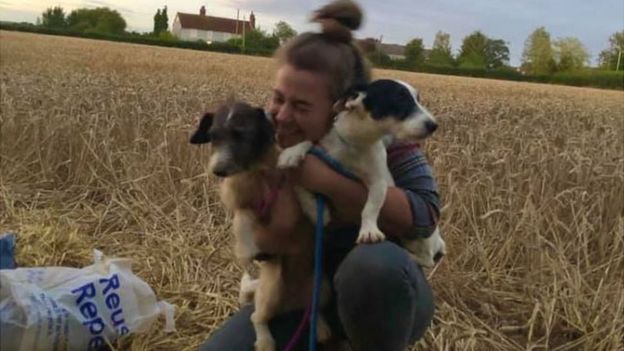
[427, 252]
[423, 259]
[326, 216]
[265, 344]
[323, 332]
[247, 289]
[370, 235]
[292, 156]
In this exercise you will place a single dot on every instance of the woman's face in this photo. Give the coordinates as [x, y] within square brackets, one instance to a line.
[301, 106]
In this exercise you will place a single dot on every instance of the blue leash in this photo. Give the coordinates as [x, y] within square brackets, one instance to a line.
[331, 162]
[318, 242]
[318, 271]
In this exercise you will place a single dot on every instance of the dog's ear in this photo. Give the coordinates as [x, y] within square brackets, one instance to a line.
[343, 103]
[263, 114]
[355, 102]
[339, 105]
[201, 135]
[266, 128]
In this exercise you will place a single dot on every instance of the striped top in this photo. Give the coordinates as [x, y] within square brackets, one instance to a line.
[412, 173]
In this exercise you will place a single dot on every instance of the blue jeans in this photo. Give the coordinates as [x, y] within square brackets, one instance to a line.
[382, 301]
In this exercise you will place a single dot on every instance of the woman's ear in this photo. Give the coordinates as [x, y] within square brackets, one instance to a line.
[201, 135]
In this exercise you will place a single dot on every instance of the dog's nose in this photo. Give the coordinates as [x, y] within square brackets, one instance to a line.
[220, 173]
[438, 256]
[431, 126]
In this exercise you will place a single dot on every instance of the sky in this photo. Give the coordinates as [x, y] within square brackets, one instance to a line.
[396, 21]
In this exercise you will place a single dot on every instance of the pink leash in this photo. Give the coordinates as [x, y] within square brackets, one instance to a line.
[299, 332]
[262, 209]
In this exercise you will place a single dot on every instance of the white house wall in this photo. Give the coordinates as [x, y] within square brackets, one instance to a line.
[176, 28]
[195, 34]
[397, 57]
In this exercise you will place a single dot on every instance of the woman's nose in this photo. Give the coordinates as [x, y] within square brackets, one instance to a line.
[283, 114]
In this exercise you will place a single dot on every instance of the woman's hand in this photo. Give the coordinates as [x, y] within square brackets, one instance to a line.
[316, 176]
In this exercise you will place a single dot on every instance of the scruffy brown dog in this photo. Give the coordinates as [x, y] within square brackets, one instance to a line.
[244, 154]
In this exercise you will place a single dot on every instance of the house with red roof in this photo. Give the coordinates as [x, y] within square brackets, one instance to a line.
[188, 26]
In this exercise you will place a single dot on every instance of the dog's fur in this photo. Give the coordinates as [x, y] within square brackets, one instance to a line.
[384, 108]
[244, 153]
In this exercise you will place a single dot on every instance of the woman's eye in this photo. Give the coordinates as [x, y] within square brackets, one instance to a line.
[278, 100]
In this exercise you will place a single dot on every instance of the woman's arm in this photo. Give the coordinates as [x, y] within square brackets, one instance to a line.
[348, 196]
[411, 208]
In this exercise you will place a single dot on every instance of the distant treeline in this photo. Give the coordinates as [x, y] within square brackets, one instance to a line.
[586, 77]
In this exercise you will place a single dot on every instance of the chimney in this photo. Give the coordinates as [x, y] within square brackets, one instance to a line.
[252, 20]
[202, 11]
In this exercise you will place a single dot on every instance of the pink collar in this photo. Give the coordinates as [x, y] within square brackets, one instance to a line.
[262, 208]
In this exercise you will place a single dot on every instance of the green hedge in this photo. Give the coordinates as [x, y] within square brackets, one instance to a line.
[590, 78]
[586, 78]
[128, 38]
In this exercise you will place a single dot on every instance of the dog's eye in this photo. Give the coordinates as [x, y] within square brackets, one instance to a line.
[215, 136]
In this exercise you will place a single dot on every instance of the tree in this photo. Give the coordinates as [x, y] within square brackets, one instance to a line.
[609, 57]
[474, 51]
[157, 22]
[379, 58]
[538, 57]
[161, 21]
[100, 20]
[257, 41]
[440, 54]
[415, 52]
[283, 31]
[53, 17]
[497, 53]
[479, 51]
[164, 24]
[371, 49]
[570, 54]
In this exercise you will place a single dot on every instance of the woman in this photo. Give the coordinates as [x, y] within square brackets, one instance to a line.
[381, 299]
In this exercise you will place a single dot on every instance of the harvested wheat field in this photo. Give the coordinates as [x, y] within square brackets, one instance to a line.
[94, 154]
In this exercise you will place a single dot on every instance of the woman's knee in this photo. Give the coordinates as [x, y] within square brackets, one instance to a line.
[381, 263]
[235, 334]
[383, 298]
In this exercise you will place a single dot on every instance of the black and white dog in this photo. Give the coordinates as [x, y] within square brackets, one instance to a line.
[386, 108]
